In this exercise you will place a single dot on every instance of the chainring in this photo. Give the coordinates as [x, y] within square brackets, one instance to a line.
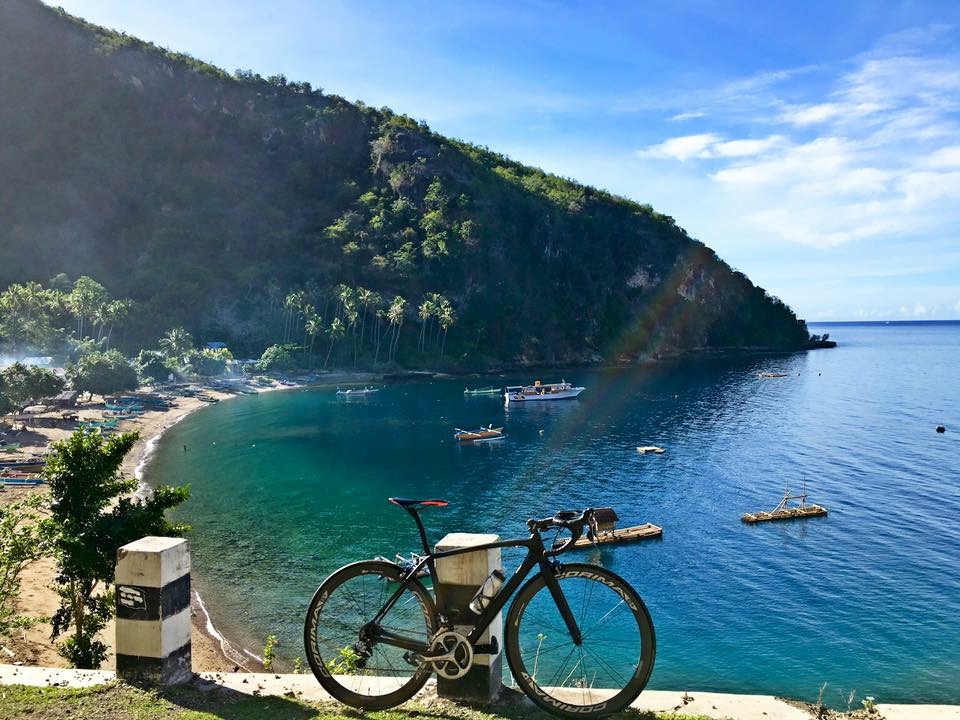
[455, 645]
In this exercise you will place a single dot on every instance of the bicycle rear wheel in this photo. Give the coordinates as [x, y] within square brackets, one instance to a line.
[344, 655]
[607, 670]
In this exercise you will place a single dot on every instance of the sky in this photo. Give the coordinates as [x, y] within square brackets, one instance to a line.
[814, 145]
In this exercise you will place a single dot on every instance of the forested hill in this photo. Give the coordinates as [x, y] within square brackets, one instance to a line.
[209, 197]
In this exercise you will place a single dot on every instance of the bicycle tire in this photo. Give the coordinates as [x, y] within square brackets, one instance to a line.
[580, 694]
[328, 636]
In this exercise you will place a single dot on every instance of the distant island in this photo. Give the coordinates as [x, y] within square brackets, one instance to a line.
[259, 212]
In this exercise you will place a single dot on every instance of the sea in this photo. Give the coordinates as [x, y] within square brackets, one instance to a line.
[288, 486]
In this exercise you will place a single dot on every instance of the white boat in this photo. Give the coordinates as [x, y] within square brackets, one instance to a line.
[357, 392]
[541, 391]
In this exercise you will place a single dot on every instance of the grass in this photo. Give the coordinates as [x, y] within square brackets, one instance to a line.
[118, 701]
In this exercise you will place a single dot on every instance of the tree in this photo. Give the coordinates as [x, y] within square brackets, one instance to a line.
[313, 327]
[276, 358]
[103, 373]
[425, 312]
[208, 362]
[22, 540]
[395, 316]
[152, 366]
[87, 295]
[28, 314]
[447, 318]
[336, 332]
[176, 343]
[26, 384]
[91, 515]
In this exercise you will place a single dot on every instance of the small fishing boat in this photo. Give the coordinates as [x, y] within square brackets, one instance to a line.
[482, 435]
[9, 447]
[15, 480]
[768, 375]
[357, 392]
[784, 511]
[483, 391]
[644, 449]
[541, 391]
[603, 530]
[29, 465]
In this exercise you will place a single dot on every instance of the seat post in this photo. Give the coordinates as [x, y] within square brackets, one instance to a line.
[423, 532]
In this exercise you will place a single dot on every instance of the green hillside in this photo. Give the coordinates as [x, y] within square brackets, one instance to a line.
[208, 198]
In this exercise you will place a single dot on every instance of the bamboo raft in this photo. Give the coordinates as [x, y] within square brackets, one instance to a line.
[783, 511]
[604, 531]
[647, 531]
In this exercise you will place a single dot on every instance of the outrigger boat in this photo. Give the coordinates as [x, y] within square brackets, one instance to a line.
[783, 511]
[541, 391]
[482, 435]
[483, 391]
[29, 465]
[357, 392]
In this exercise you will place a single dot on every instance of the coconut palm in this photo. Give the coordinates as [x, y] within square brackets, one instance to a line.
[313, 326]
[176, 343]
[336, 332]
[395, 316]
[425, 312]
[447, 318]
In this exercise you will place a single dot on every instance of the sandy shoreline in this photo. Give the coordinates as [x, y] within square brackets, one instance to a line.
[211, 650]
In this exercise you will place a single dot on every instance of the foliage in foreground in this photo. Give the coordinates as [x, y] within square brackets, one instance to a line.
[91, 515]
[123, 702]
[22, 540]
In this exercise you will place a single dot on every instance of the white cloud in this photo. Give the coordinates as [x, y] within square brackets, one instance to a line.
[874, 154]
[744, 148]
[811, 114]
[691, 115]
[945, 157]
[681, 148]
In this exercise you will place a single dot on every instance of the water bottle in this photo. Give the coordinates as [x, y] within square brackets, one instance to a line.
[487, 591]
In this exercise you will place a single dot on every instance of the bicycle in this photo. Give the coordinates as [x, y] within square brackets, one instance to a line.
[578, 638]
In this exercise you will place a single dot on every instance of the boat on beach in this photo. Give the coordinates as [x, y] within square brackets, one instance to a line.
[482, 435]
[34, 464]
[483, 391]
[784, 511]
[541, 391]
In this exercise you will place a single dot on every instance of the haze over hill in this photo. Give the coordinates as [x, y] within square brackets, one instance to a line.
[208, 197]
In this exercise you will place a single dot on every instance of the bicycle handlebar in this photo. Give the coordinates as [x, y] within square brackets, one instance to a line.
[571, 520]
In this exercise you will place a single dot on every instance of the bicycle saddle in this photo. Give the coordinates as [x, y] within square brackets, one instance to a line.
[406, 503]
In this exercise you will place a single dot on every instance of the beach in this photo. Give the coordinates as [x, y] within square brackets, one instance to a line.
[37, 596]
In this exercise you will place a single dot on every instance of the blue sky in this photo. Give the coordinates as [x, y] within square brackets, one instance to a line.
[814, 145]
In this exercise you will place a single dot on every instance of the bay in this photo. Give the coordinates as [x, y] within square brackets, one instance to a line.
[288, 486]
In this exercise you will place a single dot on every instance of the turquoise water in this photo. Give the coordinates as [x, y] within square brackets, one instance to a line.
[288, 486]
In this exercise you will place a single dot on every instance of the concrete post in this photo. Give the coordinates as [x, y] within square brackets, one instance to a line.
[460, 577]
[153, 611]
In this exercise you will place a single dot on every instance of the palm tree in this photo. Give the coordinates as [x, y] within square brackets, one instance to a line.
[313, 327]
[336, 332]
[425, 312]
[307, 311]
[364, 297]
[447, 318]
[176, 343]
[117, 311]
[395, 316]
[291, 304]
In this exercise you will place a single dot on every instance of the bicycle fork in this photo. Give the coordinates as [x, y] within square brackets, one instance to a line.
[549, 571]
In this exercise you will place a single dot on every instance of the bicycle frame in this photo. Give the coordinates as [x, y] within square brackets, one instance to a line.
[536, 555]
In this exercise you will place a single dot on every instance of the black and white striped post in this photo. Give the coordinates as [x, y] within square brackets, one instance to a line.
[153, 611]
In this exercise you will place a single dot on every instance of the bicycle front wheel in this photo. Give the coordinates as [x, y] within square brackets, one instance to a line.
[611, 665]
[341, 642]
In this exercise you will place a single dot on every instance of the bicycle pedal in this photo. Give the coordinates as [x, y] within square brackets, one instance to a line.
[490, 648]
